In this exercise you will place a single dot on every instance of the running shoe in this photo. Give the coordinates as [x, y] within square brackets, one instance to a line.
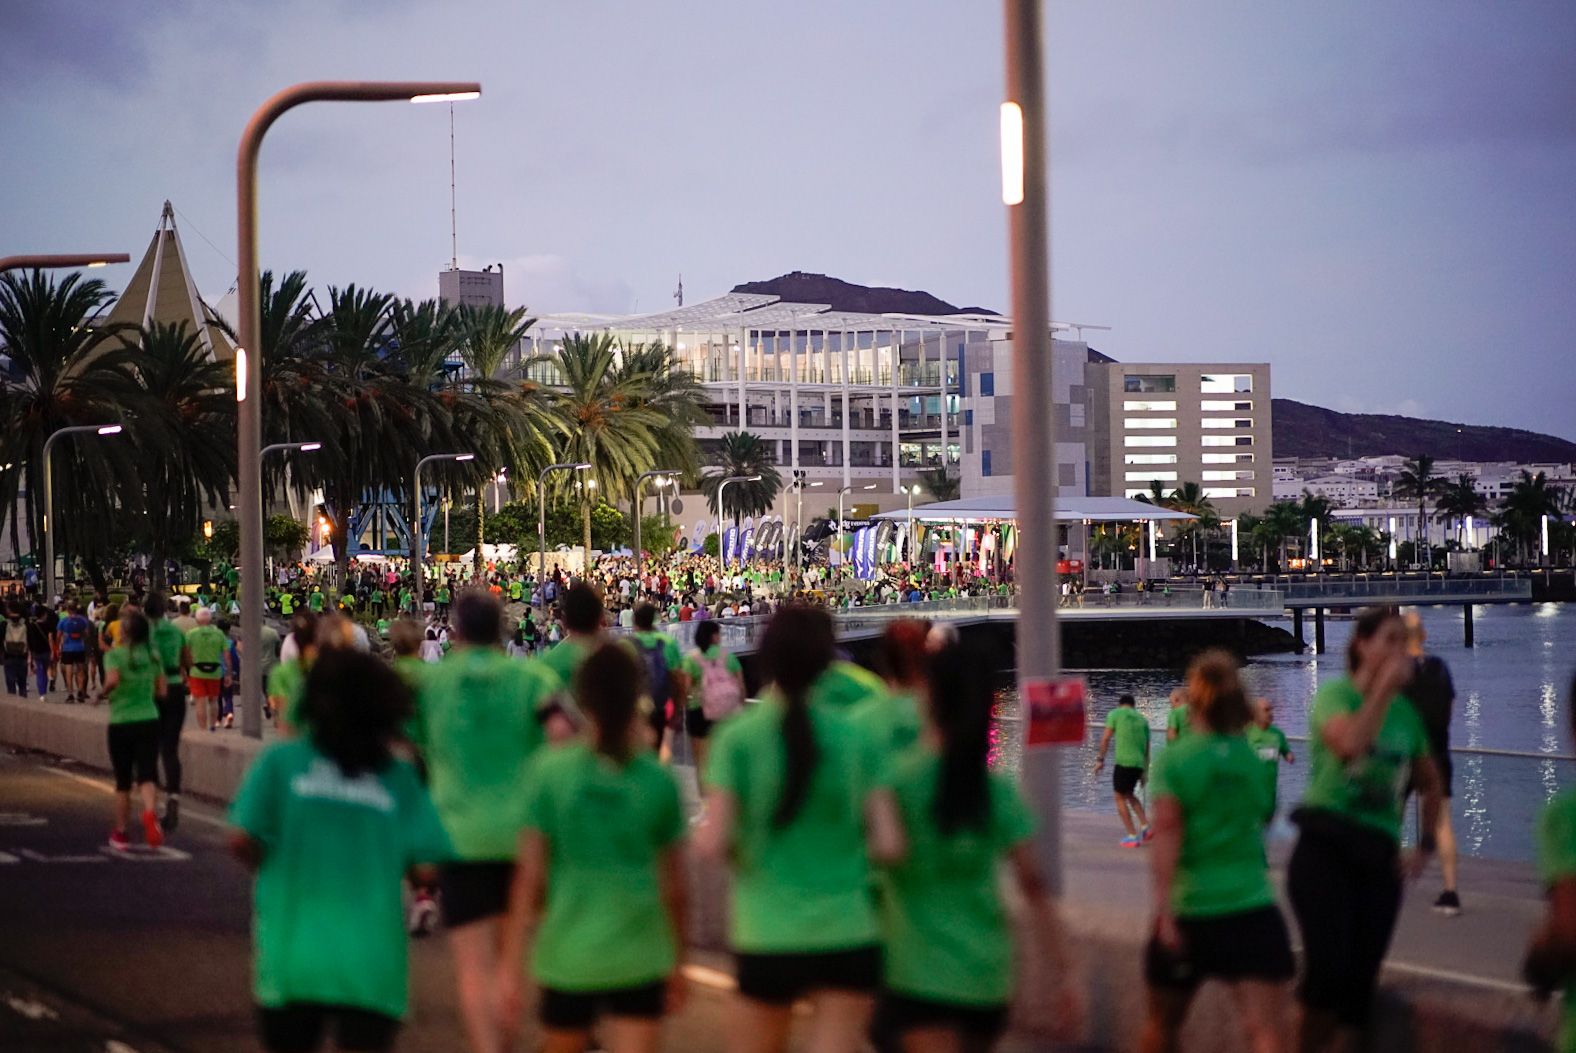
[1132, 842]
[229, 720]
[1147, 835]
[1448, 903]
[117, 840]
[151, 829]
[172, 813]
[423, 915]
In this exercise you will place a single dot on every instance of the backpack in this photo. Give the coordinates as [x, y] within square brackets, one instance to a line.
[657, 678]
[16, 639]
[720, 694]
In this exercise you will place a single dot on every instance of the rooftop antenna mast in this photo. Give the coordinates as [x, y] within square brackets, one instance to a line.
[454, 240]
[678, 294]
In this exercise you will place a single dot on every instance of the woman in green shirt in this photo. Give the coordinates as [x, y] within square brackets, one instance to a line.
[1551, 960]
[1366, 745]
[133, 681]
[1215, 913]
[599, 894]
[796, 807]
[948, 970]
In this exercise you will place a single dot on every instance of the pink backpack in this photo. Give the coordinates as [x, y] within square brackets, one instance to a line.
[720, 693]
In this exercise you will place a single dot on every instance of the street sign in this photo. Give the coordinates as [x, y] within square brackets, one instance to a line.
[1055, 711]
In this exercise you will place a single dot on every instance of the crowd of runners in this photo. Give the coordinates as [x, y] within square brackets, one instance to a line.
[526, 796]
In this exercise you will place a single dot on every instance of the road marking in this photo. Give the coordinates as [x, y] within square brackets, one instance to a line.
[22, 819]
[114, 1046]
[708, 977]
[144, 854]
[40, 857]
[7, 857]
[31, 1008]
[1450, 976]
[104, 787]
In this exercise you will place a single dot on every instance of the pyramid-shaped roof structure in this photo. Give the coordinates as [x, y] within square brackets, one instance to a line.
[162, 290]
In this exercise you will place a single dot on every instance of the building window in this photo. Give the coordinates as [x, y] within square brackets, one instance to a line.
[1144, 477]
[1149, 458]
[1227, 422]
[1217, 476]
[1227, 458]
[1225, 406]
[984, 462]
[1149, 440]
[1145, 385]
[988, 384]
[1226, 383]
[1226, 440]
[1152, 423]
[1149, 405]
[1228, 491]
[968, 418]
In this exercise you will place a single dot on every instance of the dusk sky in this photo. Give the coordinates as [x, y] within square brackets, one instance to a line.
[1378, 199]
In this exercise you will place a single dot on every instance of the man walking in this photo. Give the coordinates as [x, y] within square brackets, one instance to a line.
[169, 644]
[207, 647]
[1131, 731]
[73, 631]
[1433, 694]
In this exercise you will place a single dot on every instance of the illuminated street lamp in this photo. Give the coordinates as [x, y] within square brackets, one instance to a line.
[664, 477]
[722, 552]
[541, 513]
[417, 542]
[60, 261]
[49, 497]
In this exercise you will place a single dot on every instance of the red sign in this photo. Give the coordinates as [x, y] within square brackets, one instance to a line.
[1069, 566]
[1055, 711]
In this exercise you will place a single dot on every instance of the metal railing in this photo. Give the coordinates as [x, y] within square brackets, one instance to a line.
[1505, 589]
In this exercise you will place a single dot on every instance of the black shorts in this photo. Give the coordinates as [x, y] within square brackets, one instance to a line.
[1252, 945]
[897, 1014]
[474, 891]
[697, 723]
[782, 979]
[578, 1010]
[1125, 780]
[134, 752]
[299, 1027]
[73, 658]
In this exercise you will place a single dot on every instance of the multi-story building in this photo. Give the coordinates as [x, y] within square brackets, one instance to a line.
[1175, 423]
[1344, 490]
[481, 288]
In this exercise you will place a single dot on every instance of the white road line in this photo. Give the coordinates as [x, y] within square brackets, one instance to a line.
[31, 1008]
[114, 1046]
[7, 857]
[104, 787]
[1451, 976]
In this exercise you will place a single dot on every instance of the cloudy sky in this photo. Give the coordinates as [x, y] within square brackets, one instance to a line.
[1378, 199]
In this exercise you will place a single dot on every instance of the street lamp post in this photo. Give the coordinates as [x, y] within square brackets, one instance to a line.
[541, 512]
[844, 492]
[722, 551]
[911, 491]
[1023, 171]
[59, 261]
[664, 476]
[248, 360]
[498, 481]
[417, 542]
[49, 497]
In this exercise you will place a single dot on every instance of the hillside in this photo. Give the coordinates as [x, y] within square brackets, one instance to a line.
[803, 287]
[1302, 430]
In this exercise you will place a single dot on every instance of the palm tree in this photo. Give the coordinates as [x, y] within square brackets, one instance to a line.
[1190, 498]
[1418, 482]
[672, 390]
[1315, 508]
[1457, 502]
[1530, 499]
[1283, 520]
[941, 485]
[741, 453]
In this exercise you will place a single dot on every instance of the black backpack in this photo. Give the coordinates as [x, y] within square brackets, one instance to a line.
[657, 677]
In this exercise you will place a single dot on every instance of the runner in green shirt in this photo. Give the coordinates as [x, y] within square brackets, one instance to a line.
[516, 590]
[1554, 942]
[1177, 716]
[582, 615]
[1130, 729]
[709, 671]
[315, 600]
[891, 718]
[1269, 743]
[1366, 747]
[209, 671]
[169, 644]
[601, 871]
[332, 823]
[795, 809]
[133, 680]
[1215, 913]
[287, 604]
[667, 678]
[845, 684]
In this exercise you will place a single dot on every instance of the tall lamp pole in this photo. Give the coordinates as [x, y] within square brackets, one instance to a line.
[541, 512]
[1023, 191]
[59, 261]
[844, 492]
[49, 497]
[248, 356]
[418, 547]
[664, 476]
[722, 551]
[911, 491]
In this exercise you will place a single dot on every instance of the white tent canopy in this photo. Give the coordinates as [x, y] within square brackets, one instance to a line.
[491, 552]
[1068, 510]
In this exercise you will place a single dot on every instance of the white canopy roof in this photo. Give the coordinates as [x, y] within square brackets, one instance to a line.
[1068, 509]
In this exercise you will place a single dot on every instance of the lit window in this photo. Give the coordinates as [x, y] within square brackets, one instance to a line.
[1217, 476]
[1152, 423]
[1225, 406]
[1149, 405]
[1149, 440]
[1226, 383]
[1150, 458]
[1228, 491]
[1227, 458]
[1147, 385]
[1224, 440]
[1144, 477]
[1227, 422]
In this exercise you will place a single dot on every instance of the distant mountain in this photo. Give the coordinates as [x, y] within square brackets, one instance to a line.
[1302, 430]
[803, 287]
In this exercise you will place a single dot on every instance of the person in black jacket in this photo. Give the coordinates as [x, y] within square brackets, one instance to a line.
[1433, 694]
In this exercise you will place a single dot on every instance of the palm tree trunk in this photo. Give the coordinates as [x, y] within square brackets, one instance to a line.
[585, 537]
[481, 534]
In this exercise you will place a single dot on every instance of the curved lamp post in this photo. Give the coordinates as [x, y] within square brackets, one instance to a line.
[541, 513]
[663, 476]
[844, 492]
[60, 260]
[248, 367]
[49, 497]
[722, 551]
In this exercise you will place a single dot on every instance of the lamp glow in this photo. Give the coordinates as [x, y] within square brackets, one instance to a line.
[110, 429]
[466, 457]
[240, 374]
[449, 96]
[310, 447]
[1011, 153]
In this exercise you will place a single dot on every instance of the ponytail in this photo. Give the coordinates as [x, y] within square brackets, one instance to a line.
[796, 649]
[960, 708]
[607, 686]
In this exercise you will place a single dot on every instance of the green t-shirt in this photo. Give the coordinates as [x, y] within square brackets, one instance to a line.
[941, 907]
[479, 722]
[315, 601]
[167, 640]
[207, 646]
[413, 671]
[1130, 737]
[1177, 721]
[1556, 842]
[329, 923]
[1270, 745]
[891, 721]
[1369, 790]
[287, 680]
[804, 887]
[441, 594]
[516, 590]
[132, 700]
[606, 826]
[844, 684]
[671, 652]
[1219, 784]
[565, 656]
[692, 669]
[286, 604]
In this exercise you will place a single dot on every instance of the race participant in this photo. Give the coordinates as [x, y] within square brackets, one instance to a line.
[581, 613]
[287, 681]
[170, 647]
[481, 717]
[1215, 913]
[73, 632]
[15, 652]
[667, 680]
[1432, 693]
[1269, 743]
[41, 649]
[599, 894]
[948, 944]
[1345, 875]
[133, 681]
[716, 691]
[1177, 716]
[1551, 958]
[1128, 727]
[795, 810]
[844, 684]
[332, 822]
[209, 668]
[891, 718]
